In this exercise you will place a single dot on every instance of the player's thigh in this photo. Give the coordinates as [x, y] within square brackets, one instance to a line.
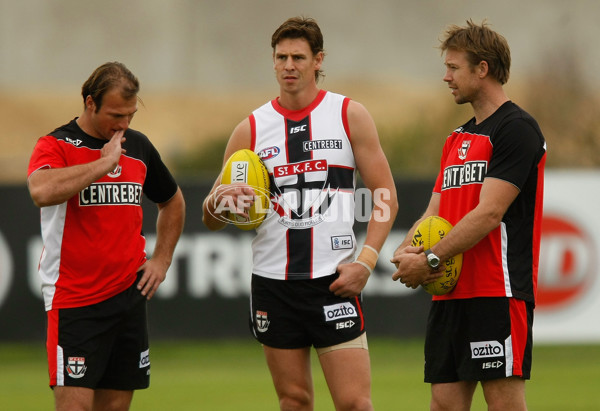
[454, 396]
[290, 369]
[73, 398]
[348, 375]
[505, 394]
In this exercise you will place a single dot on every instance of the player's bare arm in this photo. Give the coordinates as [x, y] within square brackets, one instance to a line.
[51, 186]
[240, 139]
[375, 172]
[413, 270]
[169, 226]
[432, 209]
[495, 198]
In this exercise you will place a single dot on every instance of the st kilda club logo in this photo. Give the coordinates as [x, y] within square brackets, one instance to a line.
[301, 198]
[567, 262]
[76, 367]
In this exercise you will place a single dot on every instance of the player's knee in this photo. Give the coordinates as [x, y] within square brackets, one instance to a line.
[299, 400]
[356, 404]
[435, 405]
[499, 404]
[439, 404]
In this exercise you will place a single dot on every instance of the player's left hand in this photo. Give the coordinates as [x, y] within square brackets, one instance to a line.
[154, 273]
[352, 279]
[413, 269]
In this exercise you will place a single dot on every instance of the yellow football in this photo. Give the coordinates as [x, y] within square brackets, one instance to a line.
[429, 232]
[244, 166]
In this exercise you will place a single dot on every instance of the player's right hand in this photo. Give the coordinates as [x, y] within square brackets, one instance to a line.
[235, 198]
[113, 149]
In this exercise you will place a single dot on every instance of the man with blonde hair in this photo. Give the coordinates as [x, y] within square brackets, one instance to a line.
[490, 188]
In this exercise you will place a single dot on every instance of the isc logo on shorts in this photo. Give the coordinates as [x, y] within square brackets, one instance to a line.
[145, 358]
[345, 324]
[485, 349]
[337, 311]
[491, 365]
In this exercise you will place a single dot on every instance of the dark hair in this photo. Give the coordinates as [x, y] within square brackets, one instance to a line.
[105, 78]
[481, 44]
[301, 27]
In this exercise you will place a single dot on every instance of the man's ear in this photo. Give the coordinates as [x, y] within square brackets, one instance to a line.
[319, 60]
[483, 69]
[90, 104]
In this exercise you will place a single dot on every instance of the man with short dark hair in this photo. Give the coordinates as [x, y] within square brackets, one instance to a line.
[306, 283]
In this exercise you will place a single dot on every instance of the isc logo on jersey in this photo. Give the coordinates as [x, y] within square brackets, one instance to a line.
[297, 129]
[76, 143]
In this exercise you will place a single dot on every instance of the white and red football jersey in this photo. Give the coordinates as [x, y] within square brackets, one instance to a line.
[312, 169]
[93, 243]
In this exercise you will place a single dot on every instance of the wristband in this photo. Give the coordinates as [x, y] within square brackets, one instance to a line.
[357, 261]
[368, 258]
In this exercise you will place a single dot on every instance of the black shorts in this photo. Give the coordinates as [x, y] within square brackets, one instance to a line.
[478, 339]
[303, 313]
[103, 345]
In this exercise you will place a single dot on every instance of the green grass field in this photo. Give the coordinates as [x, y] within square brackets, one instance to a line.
[232, 375]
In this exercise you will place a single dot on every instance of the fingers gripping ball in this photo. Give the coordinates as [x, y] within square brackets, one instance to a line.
[244, 166]
[428, 233]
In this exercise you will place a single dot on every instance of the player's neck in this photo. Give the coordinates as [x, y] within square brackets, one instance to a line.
[85, 125]
[299, 99]
[487, 104]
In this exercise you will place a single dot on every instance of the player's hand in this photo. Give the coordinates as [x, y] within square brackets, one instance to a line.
[413, 269]
[403, 250]
[154, 273]
[352, 279]
[113, 149]
[234, 198]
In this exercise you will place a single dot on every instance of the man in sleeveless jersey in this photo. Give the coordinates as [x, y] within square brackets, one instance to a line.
[88, 177]
[490, 187]
[306, 283]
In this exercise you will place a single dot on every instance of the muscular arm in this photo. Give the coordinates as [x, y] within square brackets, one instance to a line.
[494, 199]
[240, 139]
[51, 186]
[169, 225]
[375, 172]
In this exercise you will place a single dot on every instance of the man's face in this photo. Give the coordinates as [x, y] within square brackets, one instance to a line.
[295, 64]
[462, 78]
[115, 114]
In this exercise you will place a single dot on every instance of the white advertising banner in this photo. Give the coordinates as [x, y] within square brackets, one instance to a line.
[568, 298]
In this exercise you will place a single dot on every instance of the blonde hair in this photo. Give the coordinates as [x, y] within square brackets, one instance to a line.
[481, 44]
